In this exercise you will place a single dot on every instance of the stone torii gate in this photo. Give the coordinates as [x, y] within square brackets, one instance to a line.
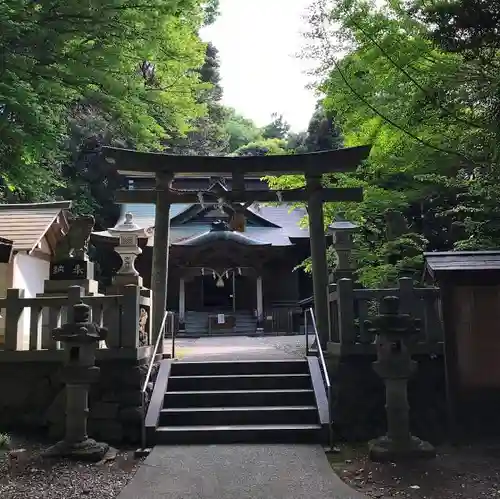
[163, 167]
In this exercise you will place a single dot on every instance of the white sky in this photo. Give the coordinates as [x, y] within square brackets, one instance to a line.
[258, 41]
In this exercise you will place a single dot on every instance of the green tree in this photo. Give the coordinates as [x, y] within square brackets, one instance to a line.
[211, 11]
[279, 128]
[263, 147]
[241, 130]
[297, 142]
[430, 110]
[322, 133]
[208, 135]
[130, 63]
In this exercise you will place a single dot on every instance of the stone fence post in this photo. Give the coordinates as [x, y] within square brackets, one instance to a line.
[130, 316]
[345, 304]
[14, 335]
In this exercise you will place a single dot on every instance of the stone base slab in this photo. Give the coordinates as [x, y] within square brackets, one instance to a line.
[384, 449]
[117, 289]
[90, 286]
[88, 450]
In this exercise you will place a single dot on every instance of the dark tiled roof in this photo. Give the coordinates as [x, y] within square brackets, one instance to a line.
[219, 235]
[449, 261]
[286, 220]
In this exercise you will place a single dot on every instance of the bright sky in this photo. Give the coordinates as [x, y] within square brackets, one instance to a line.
[258, 41]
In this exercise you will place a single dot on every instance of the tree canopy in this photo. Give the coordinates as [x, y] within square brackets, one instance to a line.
[420, 83]
[69, 70]
[417, 80]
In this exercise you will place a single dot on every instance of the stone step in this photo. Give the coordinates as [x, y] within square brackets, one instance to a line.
[235, 398]
[269, 433]
[189, 416]
[246, 401]
[238, 382]
[274, 366]
[205, 334]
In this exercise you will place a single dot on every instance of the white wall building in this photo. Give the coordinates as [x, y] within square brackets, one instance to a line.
[34, 229]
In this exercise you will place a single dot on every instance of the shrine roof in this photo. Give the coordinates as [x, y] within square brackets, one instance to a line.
[452, 261]
[25, 224]
[284, 223]
[212, 236]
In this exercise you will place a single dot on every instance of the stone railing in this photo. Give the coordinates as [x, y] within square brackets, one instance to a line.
[350, 307]
[29, 321]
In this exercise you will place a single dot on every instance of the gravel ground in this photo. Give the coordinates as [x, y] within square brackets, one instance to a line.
[36, 478]
[471, 472]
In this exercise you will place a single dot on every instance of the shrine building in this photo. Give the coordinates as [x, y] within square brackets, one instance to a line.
[241, 263]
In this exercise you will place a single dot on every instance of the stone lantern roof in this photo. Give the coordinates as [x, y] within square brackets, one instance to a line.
[129, 227]
[341, 224]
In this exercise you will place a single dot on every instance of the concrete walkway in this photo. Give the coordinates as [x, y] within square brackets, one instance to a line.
[237, 472]
[241, 348]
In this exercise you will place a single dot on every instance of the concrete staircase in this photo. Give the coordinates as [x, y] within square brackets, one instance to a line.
[196, 324]
[234, 401]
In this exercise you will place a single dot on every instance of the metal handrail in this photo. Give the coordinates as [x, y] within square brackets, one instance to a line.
[161, 336]
[323, 368]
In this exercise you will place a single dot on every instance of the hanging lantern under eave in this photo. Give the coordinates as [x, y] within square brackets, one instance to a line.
[220, 282]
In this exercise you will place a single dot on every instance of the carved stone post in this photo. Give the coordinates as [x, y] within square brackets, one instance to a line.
[80, 339]
[394, 365]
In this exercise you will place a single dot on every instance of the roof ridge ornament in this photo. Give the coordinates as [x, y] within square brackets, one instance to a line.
[219, 226]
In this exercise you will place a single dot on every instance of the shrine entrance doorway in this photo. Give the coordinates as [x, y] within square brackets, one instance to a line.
[216, 296]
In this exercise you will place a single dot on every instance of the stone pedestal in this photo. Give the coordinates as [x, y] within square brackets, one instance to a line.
[395, 366]
[71, 272]
[398, 443]
[64, 274]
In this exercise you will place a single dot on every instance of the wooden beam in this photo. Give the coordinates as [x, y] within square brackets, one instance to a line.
[328, 194]
[340, 160]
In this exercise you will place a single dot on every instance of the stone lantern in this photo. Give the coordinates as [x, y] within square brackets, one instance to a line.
[342, 233]
[394, 365]
[80, 339]
[128, 248]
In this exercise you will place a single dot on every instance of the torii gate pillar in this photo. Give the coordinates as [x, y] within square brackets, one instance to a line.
[318, 257]
[159, 270]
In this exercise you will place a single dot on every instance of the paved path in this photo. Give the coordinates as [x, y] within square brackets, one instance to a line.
[237, 472]
[241, 348]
